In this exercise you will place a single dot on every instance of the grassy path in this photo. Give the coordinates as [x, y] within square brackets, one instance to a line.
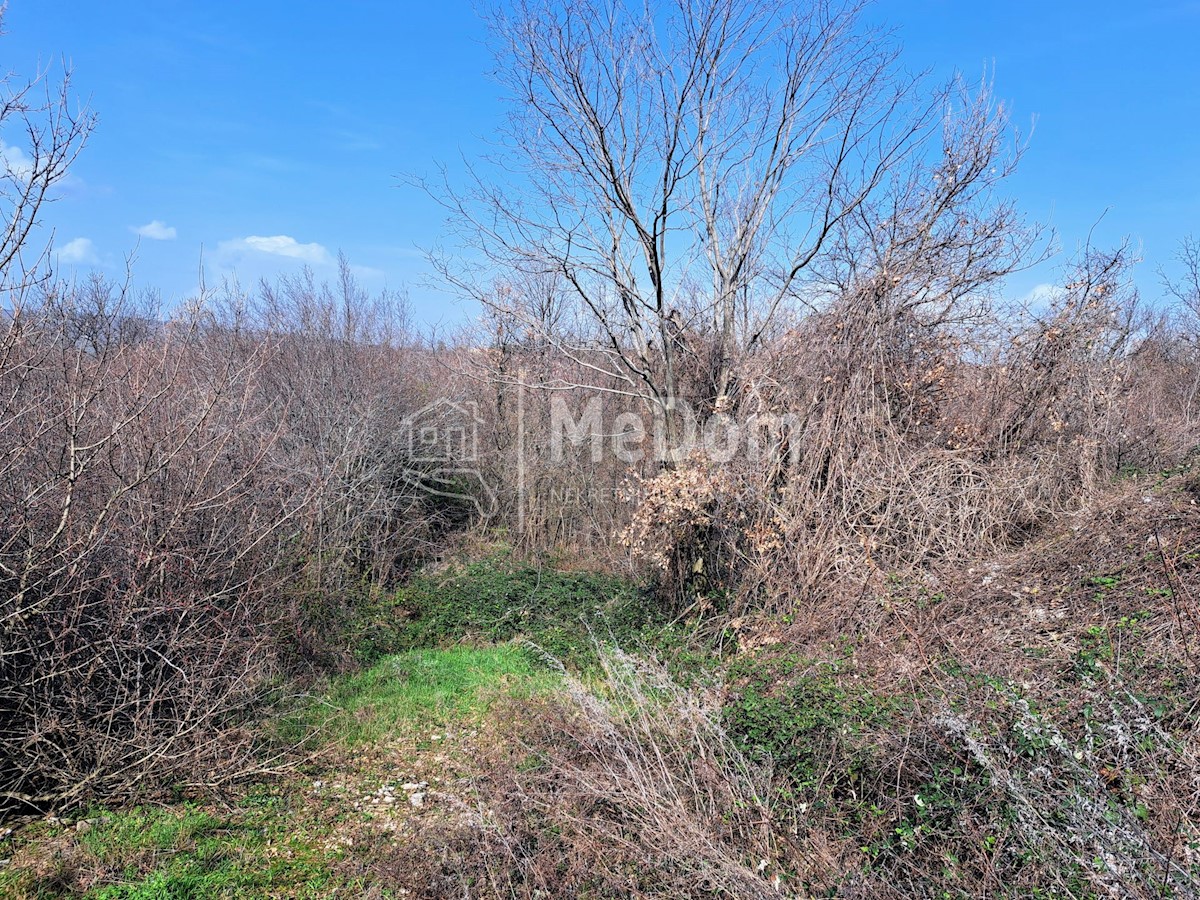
[391, 751]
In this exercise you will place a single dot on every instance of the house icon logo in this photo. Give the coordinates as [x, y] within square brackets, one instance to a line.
[444, 432]
[442, 444]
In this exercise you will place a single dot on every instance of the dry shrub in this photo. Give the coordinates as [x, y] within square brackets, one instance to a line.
[685, 527]
[1017, 725]
[629, 789]
[182, 497]
[897, 427]
[131, 628]
[897, 440]
[1087, 811]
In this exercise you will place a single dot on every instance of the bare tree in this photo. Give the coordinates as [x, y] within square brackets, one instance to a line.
[1185, 290]
[52, 130]
[687, 170]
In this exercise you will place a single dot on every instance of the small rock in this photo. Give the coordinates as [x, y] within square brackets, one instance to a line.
[83, 826]
[417, 799]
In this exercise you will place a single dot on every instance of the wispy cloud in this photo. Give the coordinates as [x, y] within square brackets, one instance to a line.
[79, 252]
[15, 162]
[17, 165]
[1041, 297]
[156, 231]
[279, 245]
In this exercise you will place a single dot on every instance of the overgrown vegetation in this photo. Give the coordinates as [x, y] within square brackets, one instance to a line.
[294, 602]
[368, 736]
[871, 755]
[498, 598]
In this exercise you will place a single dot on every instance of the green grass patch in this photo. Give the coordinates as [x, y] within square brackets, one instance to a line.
[416, 689]
[263, 848]
[275, 843]
[792, 711]
[497, 599]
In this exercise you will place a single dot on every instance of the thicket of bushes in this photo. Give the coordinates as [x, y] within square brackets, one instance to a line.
[965, 617]
[1024, 728]
[192, 503]
[204, 501]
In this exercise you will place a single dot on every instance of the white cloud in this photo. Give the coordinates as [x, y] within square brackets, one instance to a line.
[15, 162]
[280, 245]
[79, 252]
[17, 165]
[1041, 298]
[156, 231]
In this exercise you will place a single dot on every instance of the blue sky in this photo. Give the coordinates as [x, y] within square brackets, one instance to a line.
[260, 136]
